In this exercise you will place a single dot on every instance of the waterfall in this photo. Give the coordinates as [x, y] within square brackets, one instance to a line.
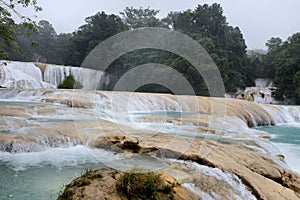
[261, 93]
[263, 82]
[21, 75]
[112, 104]
[25, 75]
[54, 74]
[283, 114]
[90, 79]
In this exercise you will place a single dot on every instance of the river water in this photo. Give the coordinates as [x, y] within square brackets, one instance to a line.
[287, 138]
[42, 174]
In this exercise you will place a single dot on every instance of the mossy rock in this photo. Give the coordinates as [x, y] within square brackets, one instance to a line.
[111, 184]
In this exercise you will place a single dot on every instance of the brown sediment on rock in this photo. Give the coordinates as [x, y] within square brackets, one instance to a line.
[73, 103]
[103, 184]
[206, 131]
[14, 111]
[42, 67]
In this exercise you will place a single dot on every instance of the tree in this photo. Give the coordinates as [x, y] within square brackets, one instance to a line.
[46, 51]
[226, 45]
[136, 18]
[255, 67]
[297, 83]
[49, 48]
[97, 28]
[8, 14]
[70, 83]
[287, 65]
[267, 69]
[273, 44]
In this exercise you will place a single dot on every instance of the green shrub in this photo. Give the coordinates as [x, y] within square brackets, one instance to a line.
[67, 194]
[143, 186]
[70, 83]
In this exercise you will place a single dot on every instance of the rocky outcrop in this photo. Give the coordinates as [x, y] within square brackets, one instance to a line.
[103, 184]
[258, 94]
[244, 96]
[261, 175]
[262, 92]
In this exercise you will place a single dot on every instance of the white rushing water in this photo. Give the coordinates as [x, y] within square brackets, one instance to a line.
[130, 108]
[114, 104]
[21, 75]
[76, 156]
[237, 189]
[286, 137]
[130, 104]
[264, 82]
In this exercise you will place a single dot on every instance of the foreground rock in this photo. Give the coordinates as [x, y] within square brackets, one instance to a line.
[107, 184]
[261, 175]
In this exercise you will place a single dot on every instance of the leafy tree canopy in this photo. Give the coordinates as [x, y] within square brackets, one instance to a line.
[206, 24]
[140, 17]
[8, 25]
[286, 63]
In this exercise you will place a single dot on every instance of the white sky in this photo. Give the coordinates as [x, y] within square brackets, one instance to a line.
[259, 20]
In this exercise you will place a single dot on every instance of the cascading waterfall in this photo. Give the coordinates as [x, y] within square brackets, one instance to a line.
[90, 79]
[263, 82]
[21, 75]
[126, 102]
[28, 76]
[121, 108]
[54, 74]
[24, 75]
[283, 114]
[262, 92]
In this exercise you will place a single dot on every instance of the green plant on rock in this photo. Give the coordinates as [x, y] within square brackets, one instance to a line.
[89, 174]
[135, 185]
[66, 194]
[70, 83]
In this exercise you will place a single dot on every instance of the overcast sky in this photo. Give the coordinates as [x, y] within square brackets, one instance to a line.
[259, 20]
